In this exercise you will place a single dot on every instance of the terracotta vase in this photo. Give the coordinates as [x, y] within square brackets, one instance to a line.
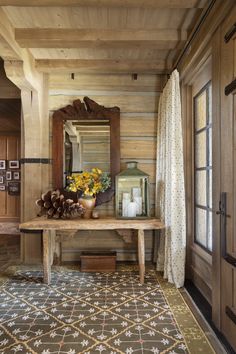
[88, 203]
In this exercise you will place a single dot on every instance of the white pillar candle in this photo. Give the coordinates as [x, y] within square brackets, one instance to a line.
[125, 204]
[136, 192]
[138, 201]
[131, 209]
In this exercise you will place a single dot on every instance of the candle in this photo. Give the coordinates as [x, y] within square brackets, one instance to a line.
[138, 201]
[136, 192]
[126, 196]
[131, 209]
[125, 203]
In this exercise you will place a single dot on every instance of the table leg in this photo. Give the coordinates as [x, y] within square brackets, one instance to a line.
[47, 255]
[141, 255]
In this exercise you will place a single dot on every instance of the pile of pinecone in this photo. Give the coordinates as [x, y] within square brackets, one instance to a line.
[53, 204]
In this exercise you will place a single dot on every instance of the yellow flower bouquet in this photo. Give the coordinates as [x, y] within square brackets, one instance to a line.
[89, 183]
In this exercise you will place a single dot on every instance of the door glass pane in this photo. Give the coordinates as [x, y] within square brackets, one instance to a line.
[200, 111]
[210, 147]
[210, 104]
[210, 231]
[210, 189]
[201, 226]
[200, 191]
[200, 149]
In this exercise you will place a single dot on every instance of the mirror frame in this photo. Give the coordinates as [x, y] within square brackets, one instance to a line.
[87, 110]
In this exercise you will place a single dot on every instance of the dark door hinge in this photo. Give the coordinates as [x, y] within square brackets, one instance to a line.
[231, 313]
[230, 33]
[230, 88]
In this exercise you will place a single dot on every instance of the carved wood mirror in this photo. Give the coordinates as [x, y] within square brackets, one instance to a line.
[87, 113]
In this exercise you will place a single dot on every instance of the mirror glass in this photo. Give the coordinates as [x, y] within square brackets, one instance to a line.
[86, 145]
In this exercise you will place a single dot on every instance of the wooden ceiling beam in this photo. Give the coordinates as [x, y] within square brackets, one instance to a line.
[175, 4]
[100, 66]
[79, 38]
[18, 62]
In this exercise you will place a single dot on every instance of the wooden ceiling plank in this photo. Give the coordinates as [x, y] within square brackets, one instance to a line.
[100, 66]
[175, 4]
[78, 38]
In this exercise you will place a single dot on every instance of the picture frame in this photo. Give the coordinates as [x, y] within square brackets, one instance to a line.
[8, 175]
[14, 164]
[2, 164]
[2, 187]
[16, 175]
[1, 179]
[14, 188]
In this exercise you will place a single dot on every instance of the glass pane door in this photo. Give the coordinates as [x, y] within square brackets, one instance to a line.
[203, 168]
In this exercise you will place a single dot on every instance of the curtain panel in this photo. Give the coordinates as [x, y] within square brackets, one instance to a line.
[170, 191]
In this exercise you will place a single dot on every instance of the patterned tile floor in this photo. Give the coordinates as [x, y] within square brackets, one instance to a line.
[95, 313]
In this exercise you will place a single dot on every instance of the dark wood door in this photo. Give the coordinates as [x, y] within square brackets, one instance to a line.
[224, 255]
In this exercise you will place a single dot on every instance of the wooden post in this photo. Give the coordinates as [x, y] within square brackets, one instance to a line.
[47, 255]
[141, 254]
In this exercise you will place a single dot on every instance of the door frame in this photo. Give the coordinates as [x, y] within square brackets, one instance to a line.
[195, 253]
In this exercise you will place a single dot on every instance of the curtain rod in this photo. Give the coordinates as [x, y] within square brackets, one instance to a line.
[194, 33]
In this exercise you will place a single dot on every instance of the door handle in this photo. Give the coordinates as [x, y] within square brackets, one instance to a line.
[222, 206]
[221, 212]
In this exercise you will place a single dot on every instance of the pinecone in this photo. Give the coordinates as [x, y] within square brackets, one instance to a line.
[54, 205]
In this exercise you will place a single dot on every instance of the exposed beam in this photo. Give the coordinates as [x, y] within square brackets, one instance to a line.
[175, 4]
[79, 38]
[18, 62]
[100, 66]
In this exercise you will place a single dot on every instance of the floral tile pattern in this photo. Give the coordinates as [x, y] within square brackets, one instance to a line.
[12, 309]
[72, 311]
[31, 325]
[82, 313]
[103, 325]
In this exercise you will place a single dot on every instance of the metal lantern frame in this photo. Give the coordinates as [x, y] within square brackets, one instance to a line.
[125, 209]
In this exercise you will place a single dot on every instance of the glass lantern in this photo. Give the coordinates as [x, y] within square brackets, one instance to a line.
[132, 193]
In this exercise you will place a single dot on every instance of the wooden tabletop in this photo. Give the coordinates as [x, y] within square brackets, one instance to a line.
[109, 223]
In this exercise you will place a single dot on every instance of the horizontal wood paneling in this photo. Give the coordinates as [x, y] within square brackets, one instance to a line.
[127, 103]
[144, 83]
[138, 126]
[143, 149]
[104, 240]
[138, 101]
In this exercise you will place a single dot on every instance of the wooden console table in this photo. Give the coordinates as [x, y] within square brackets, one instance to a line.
[50, 226]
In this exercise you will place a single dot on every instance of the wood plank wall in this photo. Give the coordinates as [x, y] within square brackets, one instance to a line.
[138, 102]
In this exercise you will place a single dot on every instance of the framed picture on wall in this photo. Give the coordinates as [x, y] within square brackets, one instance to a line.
[2, 187]
[16, 175]
[8, 175]
[2, 164]
[14, 188]
[14, 164]
[1, 179]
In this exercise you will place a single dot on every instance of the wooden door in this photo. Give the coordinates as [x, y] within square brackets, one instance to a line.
[224, 170]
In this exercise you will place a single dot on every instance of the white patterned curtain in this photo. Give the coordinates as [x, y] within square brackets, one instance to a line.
[170, 192]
